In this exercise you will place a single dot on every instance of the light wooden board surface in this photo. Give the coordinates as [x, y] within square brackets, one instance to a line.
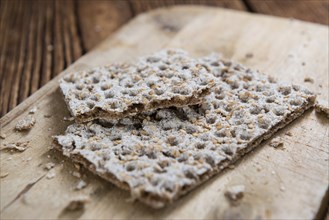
[280, 184]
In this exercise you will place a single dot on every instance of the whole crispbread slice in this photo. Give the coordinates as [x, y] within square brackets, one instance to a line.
[167, 78]
[162, 155]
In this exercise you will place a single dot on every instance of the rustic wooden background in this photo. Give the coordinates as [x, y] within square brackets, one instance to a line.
[40, 38]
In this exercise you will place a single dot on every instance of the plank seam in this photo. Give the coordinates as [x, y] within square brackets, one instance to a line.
[79, 32]
[249, 6]
[131, 7]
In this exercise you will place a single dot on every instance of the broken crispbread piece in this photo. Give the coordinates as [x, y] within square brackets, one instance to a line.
[167, 78]
[162, 155]
[322, 106]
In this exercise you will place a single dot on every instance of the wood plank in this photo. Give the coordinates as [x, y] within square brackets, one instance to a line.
[140, 6]
[280, 184]
[306, 10]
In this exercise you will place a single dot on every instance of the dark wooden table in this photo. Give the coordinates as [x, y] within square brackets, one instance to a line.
[40, 38]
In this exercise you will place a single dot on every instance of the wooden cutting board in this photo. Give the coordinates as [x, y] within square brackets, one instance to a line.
[280, 183]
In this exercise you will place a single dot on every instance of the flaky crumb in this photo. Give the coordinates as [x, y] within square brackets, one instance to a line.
[25, 124]
[249, 55]
[17, 146]
[77, 203]
[235, 193]
[33, 110]
[51, 174]
[49, 166]
[288, 133]
[77, 166]
[3, 175]
[276, 143]
[76, 174]
[81, 184]
[68, 118]
[309, 79]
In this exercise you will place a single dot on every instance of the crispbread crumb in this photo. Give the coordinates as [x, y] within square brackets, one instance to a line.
[249, 55]
[17, 146]
[77, 166]
[49, 166]
[3, 175]
[51, 174]
[33, 110]
[77, 203]
[276, 143]
[80, 185]
[309, 79]
[3, 136]
[76, 174]
[68, 118]
[235, 193]
[288, 133]
[322, 107]
[25, 124]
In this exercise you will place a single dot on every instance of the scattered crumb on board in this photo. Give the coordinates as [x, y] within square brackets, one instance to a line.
[17, 146]
[76, 174]
[3, 136]
[68, 118]
[249, 55]
[49, 166]
[51, 174]
[77, 203]
[288, 133]
[309, 79]
[3, 175]
[77, 166]
[322, 107]
[33, 110]
[235, 193]
[276, 143]
[81, 184]
[25, 124]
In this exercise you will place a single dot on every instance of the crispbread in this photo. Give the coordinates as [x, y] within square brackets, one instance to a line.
[162, 155]
[167, 78]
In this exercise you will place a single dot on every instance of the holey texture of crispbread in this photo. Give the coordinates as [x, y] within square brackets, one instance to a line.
[167, 78]
[162, 155]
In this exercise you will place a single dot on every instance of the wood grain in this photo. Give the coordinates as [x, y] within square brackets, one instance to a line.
[146, 5]
[280, 184]
[307, 10]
